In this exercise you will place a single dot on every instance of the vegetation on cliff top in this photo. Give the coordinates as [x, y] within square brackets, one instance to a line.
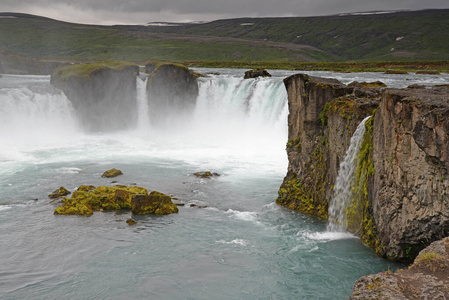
[87, 70]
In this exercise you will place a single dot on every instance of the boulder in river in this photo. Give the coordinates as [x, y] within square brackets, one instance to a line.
[156, 202]
[256, 73]
[61, 192]
[88, 199]
[112, 173]
[205, 174]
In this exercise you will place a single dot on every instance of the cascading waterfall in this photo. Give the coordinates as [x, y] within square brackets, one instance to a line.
[345, 181]
[243, 105]
[143, 116]
[32, 118]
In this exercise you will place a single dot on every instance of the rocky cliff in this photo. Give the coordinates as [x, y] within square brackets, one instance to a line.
[172, 92]
[103, 94]
[426, 278]
[400, 191]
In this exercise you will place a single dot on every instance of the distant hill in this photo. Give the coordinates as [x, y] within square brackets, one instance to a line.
[394, 36]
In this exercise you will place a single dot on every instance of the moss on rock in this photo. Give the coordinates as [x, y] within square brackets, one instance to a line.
[359, 212]
[112, 173]
[61, 192]
[156, 202]
[205, 174]
[87, 71]
[88, 199]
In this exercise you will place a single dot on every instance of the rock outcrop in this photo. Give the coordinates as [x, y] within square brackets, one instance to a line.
[112, 173]
[400, 200]
[61, 192]
[172, 92]
[88, 199]
[154, 203]
[205, 174]
[426, 278]
[103, 94]
[256, 73]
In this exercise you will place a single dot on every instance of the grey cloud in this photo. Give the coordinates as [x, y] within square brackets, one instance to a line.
[127, 11]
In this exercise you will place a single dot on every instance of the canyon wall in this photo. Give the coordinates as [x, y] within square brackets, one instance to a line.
[399, 203]
[103, 94]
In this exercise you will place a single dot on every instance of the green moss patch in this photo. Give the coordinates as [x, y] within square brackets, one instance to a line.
[87, 71]
[88, 199]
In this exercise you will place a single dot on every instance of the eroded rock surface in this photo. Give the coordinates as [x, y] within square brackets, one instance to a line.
[426, 278]
[402, 182]
[256, 73]
[88, 199]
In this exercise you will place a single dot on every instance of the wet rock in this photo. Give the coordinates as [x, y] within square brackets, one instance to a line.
[112, 173]
[426, 278]
[88, 199]
[156, 202]
[403, 167]
[256, 73]
[197, 206]
[61, 192]
[416, 86]
[205, 174]
[131, 222]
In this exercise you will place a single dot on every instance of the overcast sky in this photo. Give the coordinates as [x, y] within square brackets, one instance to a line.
[143, 11]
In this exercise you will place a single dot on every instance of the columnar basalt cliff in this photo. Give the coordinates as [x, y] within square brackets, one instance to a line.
[400, 192]
[172, 91]
[103, 94]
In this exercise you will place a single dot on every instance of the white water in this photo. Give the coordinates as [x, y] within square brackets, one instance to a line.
[345, 181]
[143, 116]
[236, 124]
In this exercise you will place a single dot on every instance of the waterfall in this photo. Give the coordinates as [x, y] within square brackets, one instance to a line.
[344, 183]
[143, 116]
[237, 105]
[241, 121]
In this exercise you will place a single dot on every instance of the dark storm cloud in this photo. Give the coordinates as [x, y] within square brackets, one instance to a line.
[138, 11]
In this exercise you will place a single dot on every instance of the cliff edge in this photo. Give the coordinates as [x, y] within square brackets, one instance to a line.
[103, 94]
[399, 202]
[172, 91]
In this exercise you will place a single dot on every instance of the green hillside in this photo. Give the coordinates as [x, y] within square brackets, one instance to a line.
[413, 35]
[401, 36]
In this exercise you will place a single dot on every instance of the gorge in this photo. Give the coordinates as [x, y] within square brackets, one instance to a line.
[240, 245]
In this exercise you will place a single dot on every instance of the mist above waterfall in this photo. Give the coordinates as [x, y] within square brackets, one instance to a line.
[232, 120]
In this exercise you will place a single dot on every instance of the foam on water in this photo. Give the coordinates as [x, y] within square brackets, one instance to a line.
[330, 236]
[243, 215]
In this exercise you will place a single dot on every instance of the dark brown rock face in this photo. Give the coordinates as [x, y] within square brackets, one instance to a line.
[410, 188]
[403, 199]
[172, 92]
[426, 278]
[318, 136]
[102, 94]
[256, 73]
